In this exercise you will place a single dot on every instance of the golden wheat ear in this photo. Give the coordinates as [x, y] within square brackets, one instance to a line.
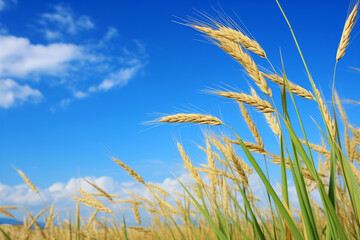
[27, 181]
[345, 37]
[192, 118]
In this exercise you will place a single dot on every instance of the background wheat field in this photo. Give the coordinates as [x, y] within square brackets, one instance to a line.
[280, 160]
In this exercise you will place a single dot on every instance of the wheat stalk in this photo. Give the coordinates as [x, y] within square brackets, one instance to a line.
[344, 41]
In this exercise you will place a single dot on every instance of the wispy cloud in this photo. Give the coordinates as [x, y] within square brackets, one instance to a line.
[63, 20]
[6, 3]
[12, 94]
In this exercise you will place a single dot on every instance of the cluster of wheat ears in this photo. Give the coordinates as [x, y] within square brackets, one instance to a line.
[220, 203]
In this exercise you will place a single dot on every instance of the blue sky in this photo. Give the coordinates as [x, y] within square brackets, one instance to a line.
[77, 80]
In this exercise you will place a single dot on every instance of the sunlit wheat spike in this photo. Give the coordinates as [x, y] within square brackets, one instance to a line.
[105, 194]
[101, 194]
[295, 89]
[211, 163]
[217, 172]
[140, 229]
[273, 123]
[237, 162]
[150, 203]
[127, 202]
[131, 172]
[261, 105]
[37, 226]
[348, 144]
[159, 189]
[251, 125]
[252, 147]
[27, 181]
[92, 202]
[191, 118]
[233, 35]
[3, 211]
[234, 50]
[349, 24]
[8, 207]
[328, 119]
[224, 194]
[189, 166]
[136, 214]
[92, 217]
[356, 172]
[317, 148]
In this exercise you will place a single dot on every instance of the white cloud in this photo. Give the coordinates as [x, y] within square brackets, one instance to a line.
[19, 58]
[12, 94]
[60, 193]
[119, 78]
[111, 33]
[63, 19]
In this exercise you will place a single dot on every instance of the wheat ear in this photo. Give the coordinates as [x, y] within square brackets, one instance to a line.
[27, 181]
[344, 41]
[233, 35]
[105, 194]
[234, 50]
[131, 172]
[295, 89]
[191, 118]
[136, 214]
[261, 105]
[159, 189]
[328, 119]
[189, 166]
[5, 212]
[251, 125]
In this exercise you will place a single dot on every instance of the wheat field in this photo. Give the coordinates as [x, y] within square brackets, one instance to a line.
[220, 203]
